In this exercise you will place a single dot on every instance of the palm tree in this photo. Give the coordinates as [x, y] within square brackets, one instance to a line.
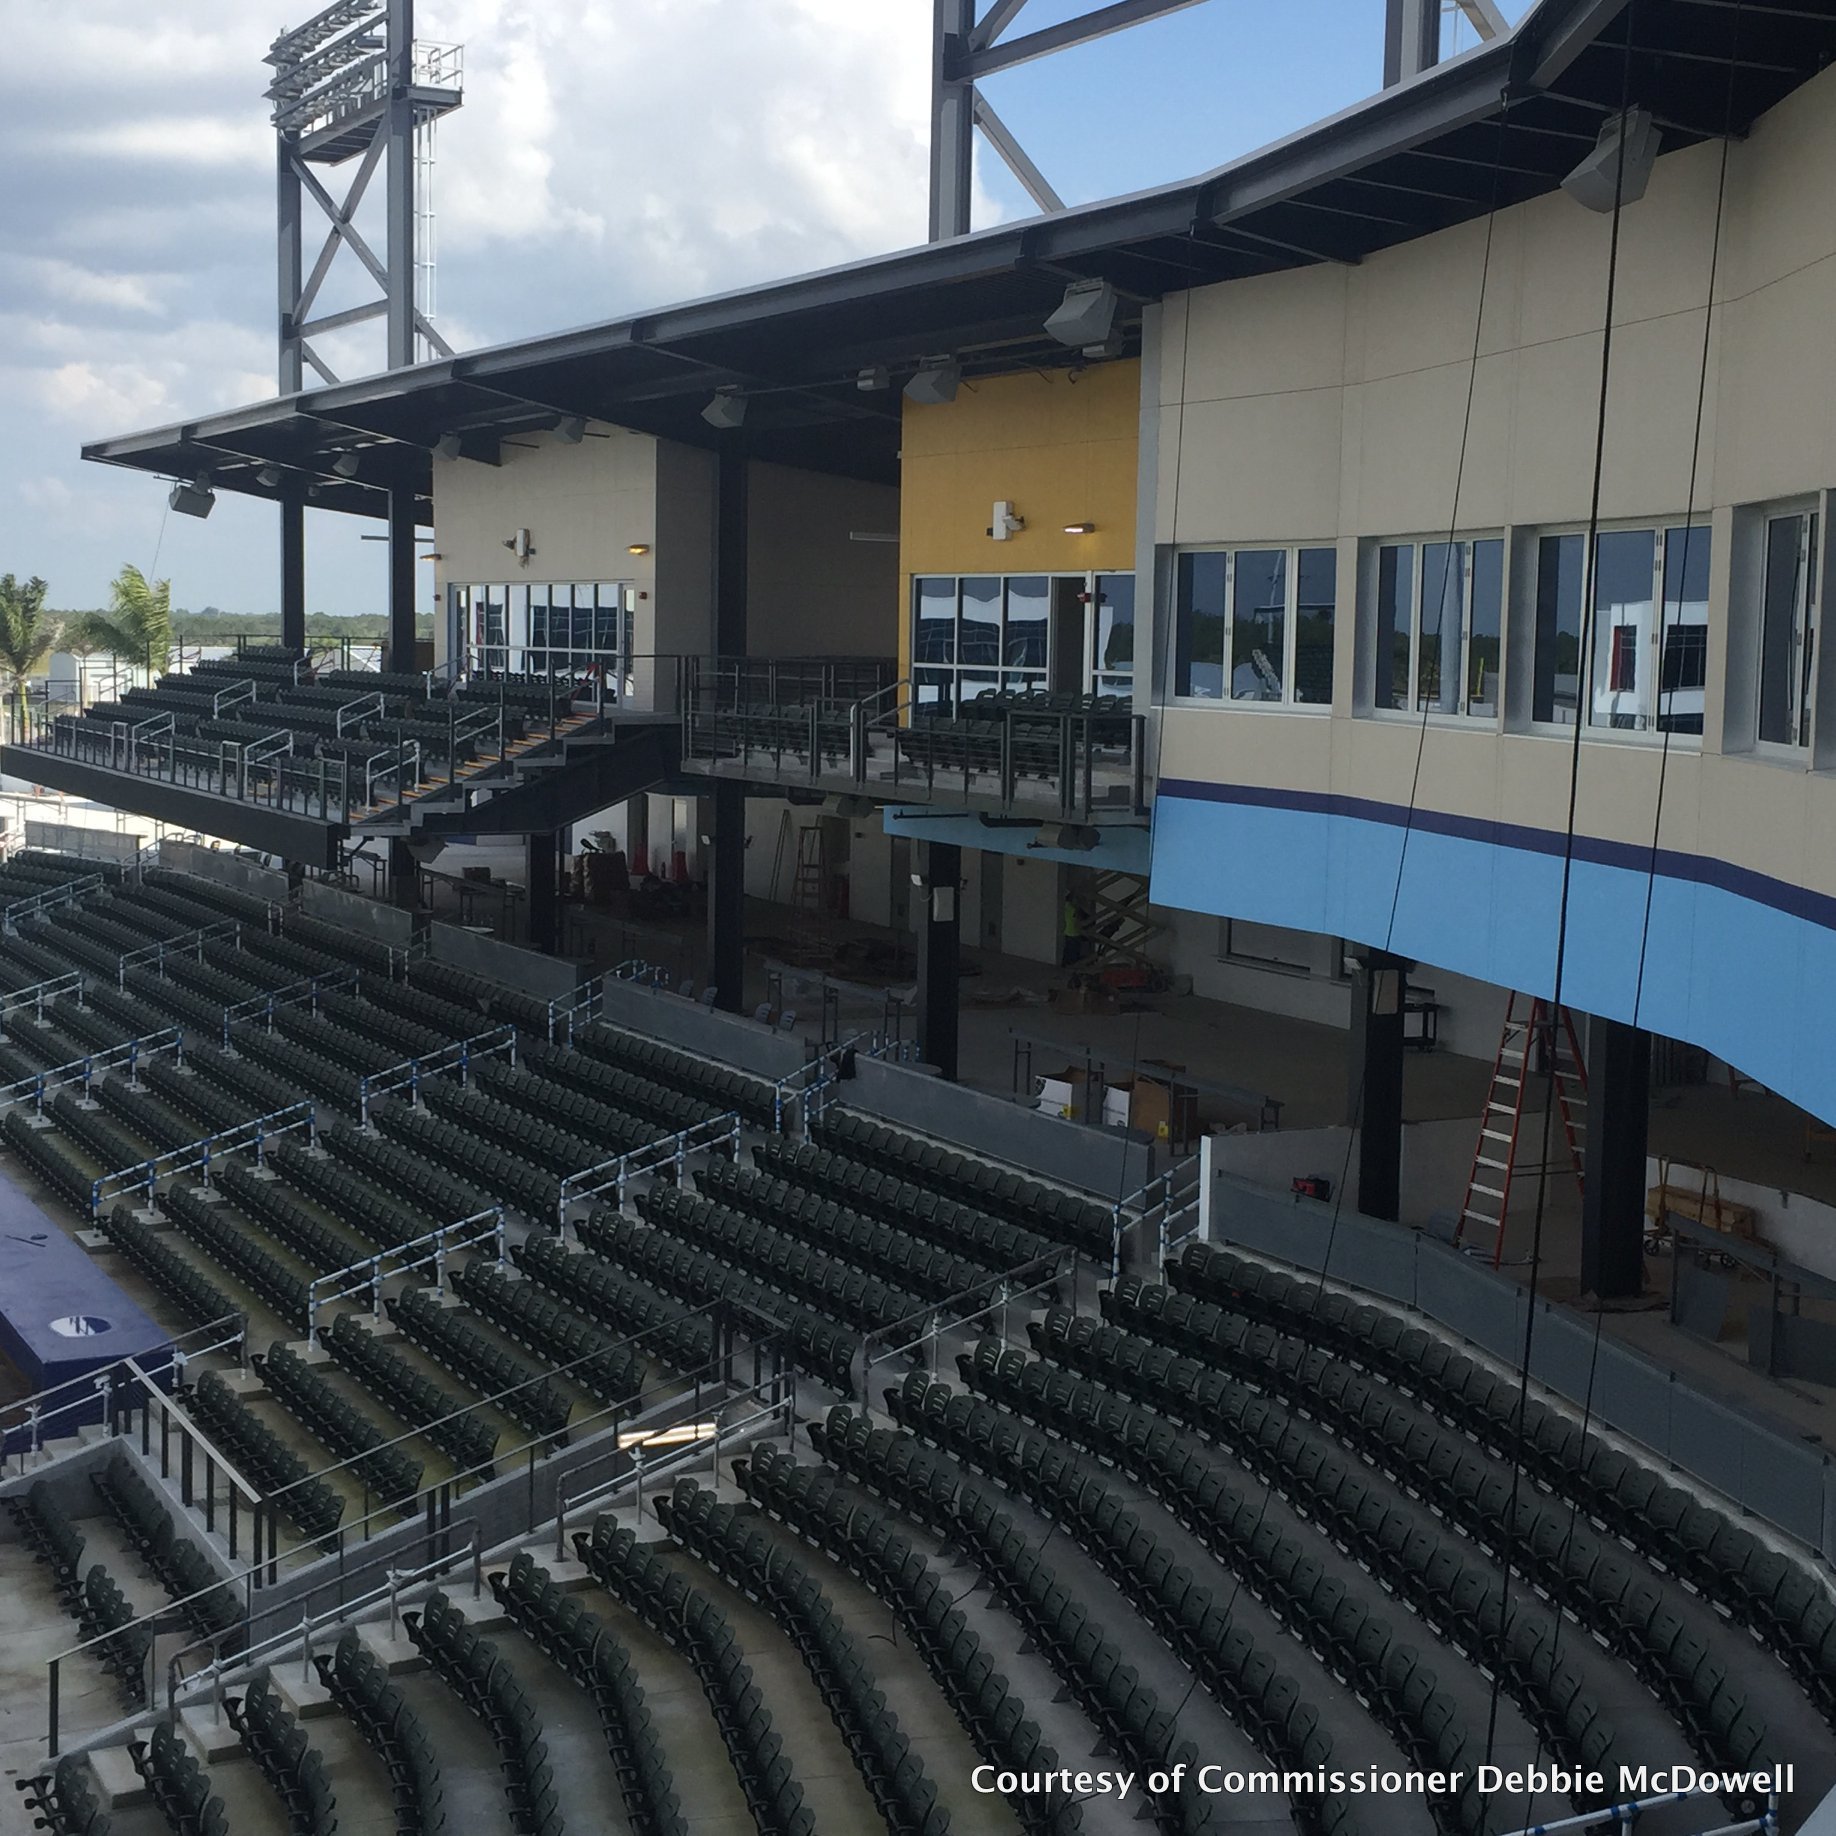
[137, 627]
[27, 637]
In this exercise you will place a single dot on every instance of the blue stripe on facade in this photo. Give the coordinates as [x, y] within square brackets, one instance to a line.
[1736, 961]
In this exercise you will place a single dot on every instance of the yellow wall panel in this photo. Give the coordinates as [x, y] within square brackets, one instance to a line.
[1059, 450]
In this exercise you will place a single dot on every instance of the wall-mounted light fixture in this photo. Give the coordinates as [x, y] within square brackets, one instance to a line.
[346, 464]
[1004, 522]
[638, 548]
[1080, 529]
[269, 476]
[570, 430]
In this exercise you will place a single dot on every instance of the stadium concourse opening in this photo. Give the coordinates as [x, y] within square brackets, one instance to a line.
[1066, 1058]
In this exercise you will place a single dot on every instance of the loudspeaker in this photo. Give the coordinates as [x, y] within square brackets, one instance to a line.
[192, 500]
[1607, 169]
[935, 384]
[1085, 315]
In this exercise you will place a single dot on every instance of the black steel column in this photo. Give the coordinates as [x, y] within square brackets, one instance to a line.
[541, 866]
[730, 558]
[1613, 1195]
[1375, 1065]
[725, 814]
[293, 573]
[939, 953]
[404, 876]
[401, 581]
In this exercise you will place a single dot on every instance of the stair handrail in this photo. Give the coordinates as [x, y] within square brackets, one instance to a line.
[233, 696]
[675, 1151]
[455, 1057]
[566, 1010]
[83, 1070]
[278, 744]
[187, 943]
[255, 1133]
[398, 764]
[150, 728]
[1159, 1203]
[368, 1273]
[350, 713]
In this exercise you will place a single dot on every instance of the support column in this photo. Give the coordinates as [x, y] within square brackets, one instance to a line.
[1375, 1065]
[730, 549]
[293, 572]
[399, 204]
[637, 834]
[939, 954]
[1411, 39]
[952, 121]
[404, 876]
[401, 581]
[1613, 1193]
[541, 865]
[725, 807]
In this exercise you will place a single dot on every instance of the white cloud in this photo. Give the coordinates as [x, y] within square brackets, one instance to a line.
[81, 286]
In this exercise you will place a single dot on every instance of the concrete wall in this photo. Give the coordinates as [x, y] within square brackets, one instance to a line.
[811, 590]
[1105, 1162]
[732, 1038]
[225, 868]
[550, 977]
[1330, 405]
[356, 913]
[1437, 1157]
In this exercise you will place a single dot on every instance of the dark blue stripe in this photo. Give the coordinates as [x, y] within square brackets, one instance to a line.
[1671, 864]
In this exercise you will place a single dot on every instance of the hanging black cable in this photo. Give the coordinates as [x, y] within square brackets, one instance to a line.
[1668, 727]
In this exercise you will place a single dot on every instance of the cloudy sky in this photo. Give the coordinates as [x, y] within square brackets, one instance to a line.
[611, 155]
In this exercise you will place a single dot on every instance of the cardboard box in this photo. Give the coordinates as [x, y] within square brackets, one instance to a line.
[1161, 1106]
[1063, 1093]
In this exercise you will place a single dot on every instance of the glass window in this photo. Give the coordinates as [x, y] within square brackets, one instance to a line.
[1787, 635]
[1439, 619]
[1485, 629]
[1625, 562]
[1556, 666]
[1683, 658]
[1438, 651]
[1028, 620]
[1395, 623]
[1198, 651]
[1259, 608]
[1316, 600]
[1115, 633]
[980, 639]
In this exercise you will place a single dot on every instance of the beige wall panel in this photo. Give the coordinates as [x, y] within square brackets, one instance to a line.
[1781, 208]
[1755, 812]
[812, 590]
[1651, 421]
[1778, 387]
[1413, 307]
[1408, 451]
[1265, 336]
[679, 617]
[1262, 469]
[1557, 397]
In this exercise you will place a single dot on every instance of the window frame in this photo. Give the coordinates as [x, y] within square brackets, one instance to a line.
[1291, 552]
[1807, 611]
[1465, 543]
[1648, 654]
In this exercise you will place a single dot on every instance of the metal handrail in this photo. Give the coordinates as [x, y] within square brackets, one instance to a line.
[618, 1172]
[352, 713]
[187, 943]
[233, 696]
[83, 1391]
[455, 1057]
[129, 1052]
[582, 1004]
[1628, 1813]
[40, 992]
[264, 1005]
[370, 1271]
[49, 901]
[255, 1133]
[1160, 1200]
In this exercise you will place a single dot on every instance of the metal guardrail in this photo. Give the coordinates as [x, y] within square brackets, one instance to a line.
[188, 943]
[232, 697]
[256, 1133]
[1161, 1205]
[39, 993]
[354, 713]
[83, 1070]
[1617, 1816]
[674, 1151]
[40, 903]
[456, 1057]
[431, 1251]
[566, 1011]
[80, 1400]
[264, 1006]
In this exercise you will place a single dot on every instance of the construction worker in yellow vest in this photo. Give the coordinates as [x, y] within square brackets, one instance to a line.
[1074, 929]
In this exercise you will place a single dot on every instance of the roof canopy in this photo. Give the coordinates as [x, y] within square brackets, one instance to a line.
[1500, 124]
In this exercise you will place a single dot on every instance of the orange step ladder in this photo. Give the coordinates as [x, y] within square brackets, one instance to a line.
[1538, 1038]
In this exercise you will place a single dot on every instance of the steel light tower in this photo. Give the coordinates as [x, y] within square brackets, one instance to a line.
[970, 41]
[352, 83]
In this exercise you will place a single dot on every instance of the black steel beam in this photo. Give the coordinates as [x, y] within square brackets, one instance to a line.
[725, 847]
[404, 511]
[973, 65]
[940, 945]
[1375, 1069]
[293, 572]
[1613, 1190]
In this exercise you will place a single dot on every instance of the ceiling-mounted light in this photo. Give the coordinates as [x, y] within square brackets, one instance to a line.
[193, 499]
[1085, 317]
[269, 477]
[1619, 167]
[448, 446]
[935, 383]
[1080, 529]
[874, 376]
[346, 464]
[637, 548]
[570, 430]
[727, 409]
